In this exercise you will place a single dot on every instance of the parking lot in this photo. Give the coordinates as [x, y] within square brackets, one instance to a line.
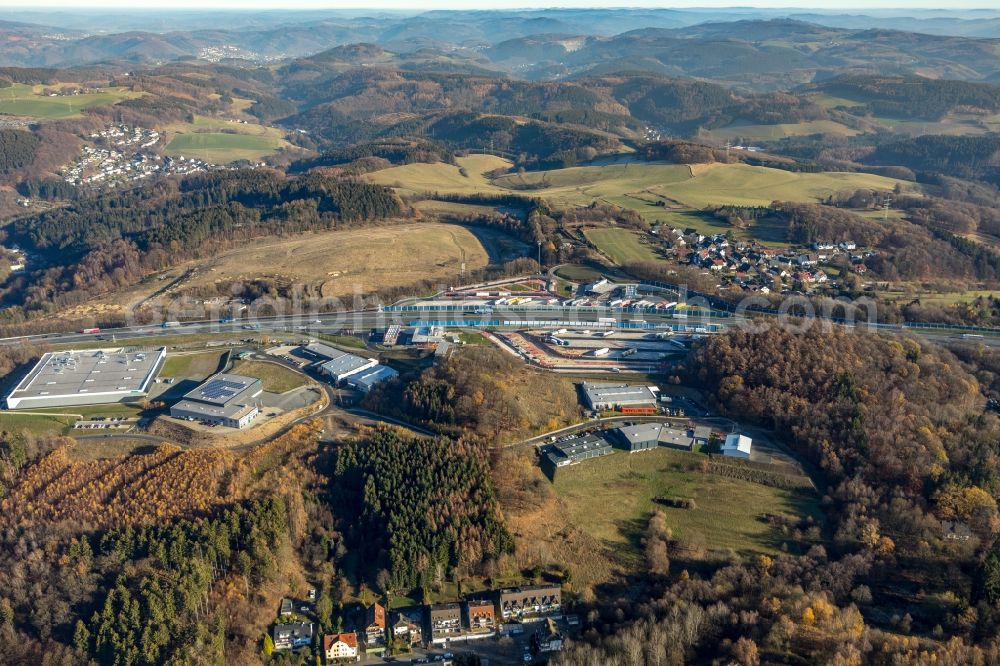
[105, 423]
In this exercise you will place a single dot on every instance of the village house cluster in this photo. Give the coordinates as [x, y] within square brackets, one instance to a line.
[755, 268]
[484, 615]
[122, 154]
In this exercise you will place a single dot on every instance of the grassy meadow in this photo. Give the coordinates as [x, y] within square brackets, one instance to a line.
[274, 377]
[780, 131]
[611, 500]
[24, 100]
[622, 245]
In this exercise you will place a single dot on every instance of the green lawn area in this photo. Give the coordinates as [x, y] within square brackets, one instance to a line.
[39, 425]
[276, 378]
[24, 100]
[194, 365]
[832, 101]
[622, 245]
[611, 499]
[443, 178]
[60, 419]
[741, 184]
[954, 297]
[342, 340]
[578, 273]
[434, 207]
[473, 338]
[780, 131]
[219, 147]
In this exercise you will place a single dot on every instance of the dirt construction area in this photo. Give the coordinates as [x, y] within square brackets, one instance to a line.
[333, 263]
[336, 261]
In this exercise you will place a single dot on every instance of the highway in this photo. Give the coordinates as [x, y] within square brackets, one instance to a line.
[363, 320]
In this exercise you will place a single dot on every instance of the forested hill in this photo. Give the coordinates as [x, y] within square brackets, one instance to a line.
[912, 96]
[114, 239]
[418, 506]
[976, 157]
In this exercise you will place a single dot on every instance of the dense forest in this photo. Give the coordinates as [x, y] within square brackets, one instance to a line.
[135, 595]
[912, 96]
[417, 507]
[17, 149]
[973, 157]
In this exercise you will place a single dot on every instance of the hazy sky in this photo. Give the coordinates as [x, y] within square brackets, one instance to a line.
[499, 4]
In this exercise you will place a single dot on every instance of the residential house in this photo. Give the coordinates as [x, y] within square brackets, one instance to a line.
[955, 530]
[292, 635]
[481, 616]
[341, 647]
[445, 621]
[548, 639]
[287, 606]
[375, 626]
[536, 600]
[737, 446]
[407, 625]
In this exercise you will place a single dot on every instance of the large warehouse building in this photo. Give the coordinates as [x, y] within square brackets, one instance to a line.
[224, 399]
[601, 397]
[87, 377]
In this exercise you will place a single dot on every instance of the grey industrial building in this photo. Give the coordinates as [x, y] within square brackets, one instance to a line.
[365, 380]
[601, 397]
[338, 365]
[224, 399]
[639, 437]
[320, 351]
[576, 449]
[345, 365]
[644, 436]
[87, 377]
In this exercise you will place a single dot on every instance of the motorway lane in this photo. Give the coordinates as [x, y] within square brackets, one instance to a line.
[368, 319]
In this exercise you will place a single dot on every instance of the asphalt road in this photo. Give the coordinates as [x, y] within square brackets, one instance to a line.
[368, 319]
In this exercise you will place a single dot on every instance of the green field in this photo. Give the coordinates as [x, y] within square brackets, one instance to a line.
[218, 147]
[38, 425]
[433, 207]
[832, 101]
[473, 338]
[621, 245]
[626, 185]
[579, 273]
[611, 500]
[443, 178]
[194, 365]
[276, 378]
[780, 131]
[23, 100]
[60, 419]
[744, 185]
[945, 298]
[342, 340]
[642, 187]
